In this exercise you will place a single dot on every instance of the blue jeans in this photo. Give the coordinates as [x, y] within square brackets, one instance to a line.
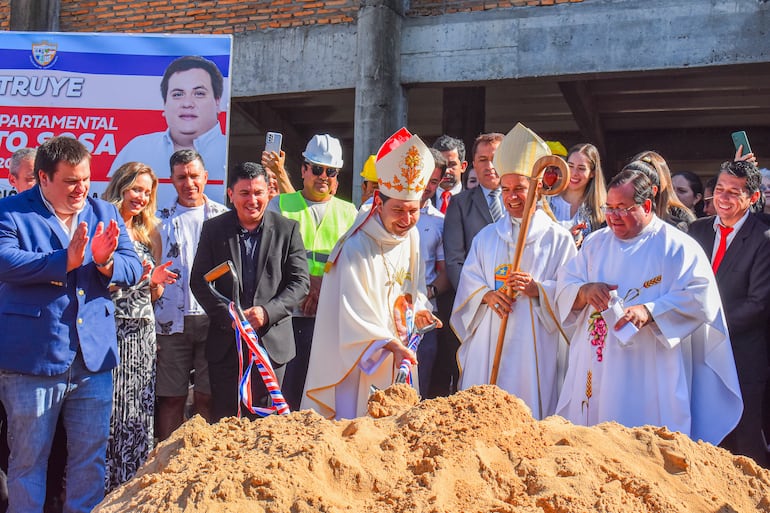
[33, 403]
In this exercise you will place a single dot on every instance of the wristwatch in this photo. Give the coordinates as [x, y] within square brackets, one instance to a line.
[105, 264]
[431, 290]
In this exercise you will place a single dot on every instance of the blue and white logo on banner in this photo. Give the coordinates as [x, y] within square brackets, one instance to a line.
[44, 54]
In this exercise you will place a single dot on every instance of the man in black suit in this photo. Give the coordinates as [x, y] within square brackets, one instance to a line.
[466, 215]
[739, 246]
[269, 259]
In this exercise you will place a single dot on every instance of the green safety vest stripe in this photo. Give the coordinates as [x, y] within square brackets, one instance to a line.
[319, 240]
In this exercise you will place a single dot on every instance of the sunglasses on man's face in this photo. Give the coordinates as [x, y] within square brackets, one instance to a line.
[319, 170]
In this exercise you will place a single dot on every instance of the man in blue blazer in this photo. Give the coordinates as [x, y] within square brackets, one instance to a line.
[59, 252]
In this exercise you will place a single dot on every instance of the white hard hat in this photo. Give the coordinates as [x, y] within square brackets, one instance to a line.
[324, 150]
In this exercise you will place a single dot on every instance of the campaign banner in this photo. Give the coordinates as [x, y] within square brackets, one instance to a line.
[126, 97]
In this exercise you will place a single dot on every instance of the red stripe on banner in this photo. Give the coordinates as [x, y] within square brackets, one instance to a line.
[103, 131]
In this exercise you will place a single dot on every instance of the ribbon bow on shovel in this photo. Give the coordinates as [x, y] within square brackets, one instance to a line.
[405, 369]
[244, 333]
[404, 315]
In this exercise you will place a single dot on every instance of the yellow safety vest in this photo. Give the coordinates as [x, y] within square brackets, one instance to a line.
[319, 240]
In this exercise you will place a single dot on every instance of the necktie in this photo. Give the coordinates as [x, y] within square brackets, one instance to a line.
[724, 231]
[445, 197]
[494, 206]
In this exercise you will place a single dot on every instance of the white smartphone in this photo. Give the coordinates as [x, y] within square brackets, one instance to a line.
[273, 142]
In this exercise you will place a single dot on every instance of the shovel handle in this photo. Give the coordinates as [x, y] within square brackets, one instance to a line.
[217, 272]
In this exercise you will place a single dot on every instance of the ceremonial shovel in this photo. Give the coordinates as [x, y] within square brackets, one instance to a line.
[216, 273]
[258, 354]
[403, 369]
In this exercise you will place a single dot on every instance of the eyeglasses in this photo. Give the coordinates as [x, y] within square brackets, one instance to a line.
[319, 170]
[620, 212]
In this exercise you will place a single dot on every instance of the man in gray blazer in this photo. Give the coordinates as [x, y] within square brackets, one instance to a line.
[269, 258]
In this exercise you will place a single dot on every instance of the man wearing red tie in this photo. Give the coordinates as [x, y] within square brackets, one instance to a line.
[453, 151]
[739, 247]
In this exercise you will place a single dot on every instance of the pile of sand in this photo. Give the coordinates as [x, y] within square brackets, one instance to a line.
[476, 451]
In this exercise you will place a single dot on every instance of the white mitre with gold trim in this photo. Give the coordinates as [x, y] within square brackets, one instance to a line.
[518, 152]
[404, 165]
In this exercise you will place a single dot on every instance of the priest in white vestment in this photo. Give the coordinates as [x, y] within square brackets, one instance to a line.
[678, 370]
[373, 275]
[534, 351]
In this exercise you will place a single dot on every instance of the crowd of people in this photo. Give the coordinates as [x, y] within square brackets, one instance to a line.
[642, 300]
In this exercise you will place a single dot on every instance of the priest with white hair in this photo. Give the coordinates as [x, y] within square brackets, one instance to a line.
[534, 351]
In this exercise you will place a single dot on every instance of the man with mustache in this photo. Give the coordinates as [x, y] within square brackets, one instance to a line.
[269, 259]
[453, 151]
[180, 321]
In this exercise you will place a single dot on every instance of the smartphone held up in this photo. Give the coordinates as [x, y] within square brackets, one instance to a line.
[273, 142]
[741, 141]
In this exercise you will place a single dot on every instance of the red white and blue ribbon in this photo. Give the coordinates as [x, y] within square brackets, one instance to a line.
[405, 369]
[257, 354]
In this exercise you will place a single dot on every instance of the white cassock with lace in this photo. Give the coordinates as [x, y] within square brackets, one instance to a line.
[679, 371]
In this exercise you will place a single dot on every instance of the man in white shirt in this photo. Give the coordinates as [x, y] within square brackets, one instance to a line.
[192, 89]
[430, 225]
[180, 321]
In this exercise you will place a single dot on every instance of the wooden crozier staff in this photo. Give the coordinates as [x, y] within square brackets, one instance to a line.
[553, 173]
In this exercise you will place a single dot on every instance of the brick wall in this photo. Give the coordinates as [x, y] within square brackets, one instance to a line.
[236, 16]
[212, 16]
[5, 14]
[435, 7]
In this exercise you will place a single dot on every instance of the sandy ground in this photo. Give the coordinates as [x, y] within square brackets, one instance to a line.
[476, 451]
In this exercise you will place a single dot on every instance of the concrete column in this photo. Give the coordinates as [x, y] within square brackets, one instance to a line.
[380, 98]
[35, 15]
